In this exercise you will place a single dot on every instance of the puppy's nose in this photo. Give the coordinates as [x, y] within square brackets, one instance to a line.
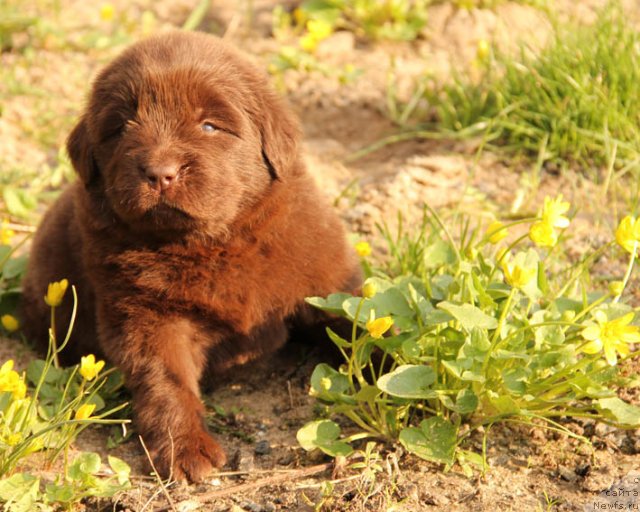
[162, 176]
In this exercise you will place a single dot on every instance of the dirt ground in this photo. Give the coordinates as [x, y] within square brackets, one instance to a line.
[260, 409]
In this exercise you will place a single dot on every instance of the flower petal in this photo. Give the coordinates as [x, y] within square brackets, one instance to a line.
[592, 347]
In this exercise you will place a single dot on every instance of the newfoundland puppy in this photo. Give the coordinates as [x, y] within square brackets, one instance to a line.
[192, 235]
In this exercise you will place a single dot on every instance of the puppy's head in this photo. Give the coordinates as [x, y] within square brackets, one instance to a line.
[181, 133]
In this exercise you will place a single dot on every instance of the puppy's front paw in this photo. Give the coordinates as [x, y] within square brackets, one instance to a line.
[197, 457]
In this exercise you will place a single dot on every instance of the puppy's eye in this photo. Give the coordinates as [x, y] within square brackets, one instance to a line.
[208, 127]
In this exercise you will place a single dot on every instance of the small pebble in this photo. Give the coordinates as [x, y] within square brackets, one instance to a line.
[286, 459]
[251, 506]
[262, 447]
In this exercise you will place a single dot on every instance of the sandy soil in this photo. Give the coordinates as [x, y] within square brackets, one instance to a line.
[263, 408]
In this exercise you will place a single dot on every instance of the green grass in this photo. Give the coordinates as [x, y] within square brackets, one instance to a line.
[577, 100]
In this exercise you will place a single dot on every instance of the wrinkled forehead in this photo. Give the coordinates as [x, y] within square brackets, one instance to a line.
[177, 81]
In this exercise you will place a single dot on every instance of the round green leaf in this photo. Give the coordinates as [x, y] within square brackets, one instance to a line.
[409, 381]
[434, 440]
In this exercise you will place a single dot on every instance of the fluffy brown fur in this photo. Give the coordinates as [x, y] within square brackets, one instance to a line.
[193, 234]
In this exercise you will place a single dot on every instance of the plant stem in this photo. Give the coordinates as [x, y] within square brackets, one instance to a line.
[627, 275]
[52, 338]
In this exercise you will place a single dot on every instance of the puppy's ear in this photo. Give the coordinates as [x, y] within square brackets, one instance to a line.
[79, 149]
[280, 133]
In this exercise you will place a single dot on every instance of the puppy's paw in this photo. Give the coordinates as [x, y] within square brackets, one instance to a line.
[197, 457]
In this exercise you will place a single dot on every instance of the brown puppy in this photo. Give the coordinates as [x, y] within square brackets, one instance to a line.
[193, 234]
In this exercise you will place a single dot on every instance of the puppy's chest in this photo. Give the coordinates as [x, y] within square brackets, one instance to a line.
[240, 287]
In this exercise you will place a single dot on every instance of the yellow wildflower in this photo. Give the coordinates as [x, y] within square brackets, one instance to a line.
[553, 212]
[89, 368]
[496, 232]
[11, 382]
[616, 288]
[378, 326]
[628, 233]
[611, 336]
[298, 15]
[542, 234]
[319, 29]
[325, 383]
[10, 323]
[363, 249]
[516, 275]
[482, 50]
[6, 234]
[84, 411]
[107, 12]
[308, 43]
[369, 289]
[13, 439]
[55, 292]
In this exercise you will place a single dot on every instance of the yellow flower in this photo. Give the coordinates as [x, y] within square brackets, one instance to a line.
[89, 368]
[11, 382]
[616, 288]
[298, 15]
[378, 326]
[325, 383]
[363, 249]
[55, 292]
[6, 234]
[482, 50]
[107, 12]
[553, 212]
[10, 323]
[369, 289]
[542, 234]
[628, 233]
[496, 232]
[319, 29]
[13, 439]
[308, 43]
[612, 336]
[84, 411]
[518, 276]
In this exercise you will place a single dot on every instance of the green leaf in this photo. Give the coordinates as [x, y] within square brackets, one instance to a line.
[504, 405]
[323, 434]
[548, 335]
[436, 317]
[435, 440]
[467, 458]
[422, 306]
[332, 304]
[60, 493]
[337, 340]
[330, 386]
[391, 302]
[438, 253]
[19, 492]
[469, 316]
[324, 375]
[620, 411]
[35, 371]
[85, 464]
[120, 468]
[15, 267]
[409, 381]
[351, 305]
[367, 393]
[18, 201]
[466, 401]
